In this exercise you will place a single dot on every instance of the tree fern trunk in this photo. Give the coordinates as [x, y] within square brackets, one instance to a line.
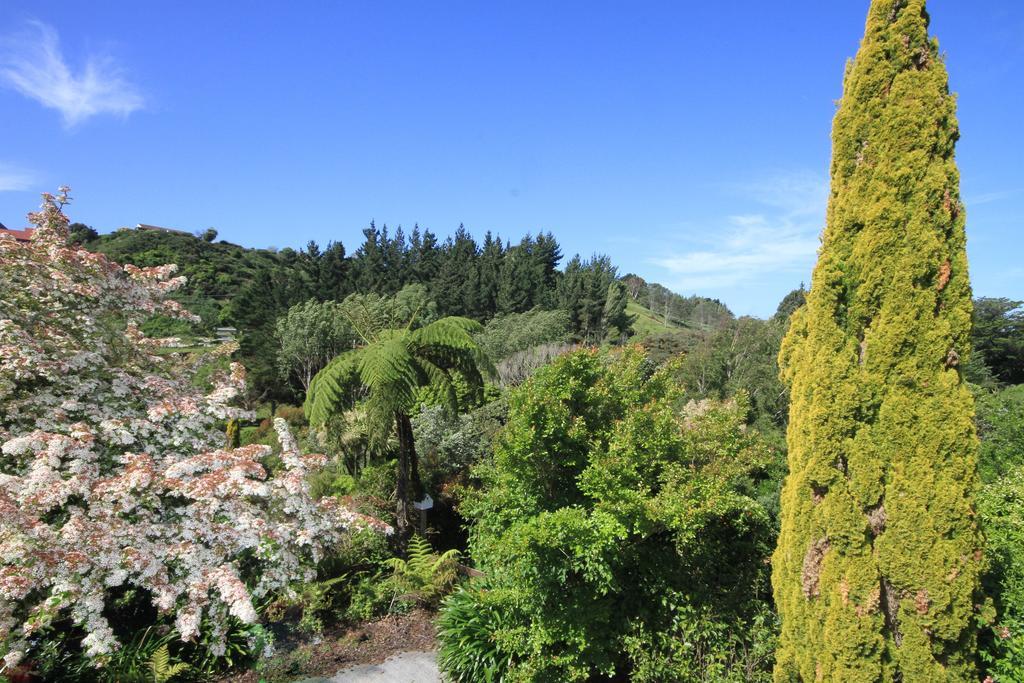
[408, 485]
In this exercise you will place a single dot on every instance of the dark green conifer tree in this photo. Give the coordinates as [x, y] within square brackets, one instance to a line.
[492, 253]
[333, 280]
[368, 262]
[455, 287]
[876, 570]
[516, 281]
[394, 250]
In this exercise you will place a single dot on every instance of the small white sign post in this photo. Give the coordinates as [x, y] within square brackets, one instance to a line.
[426, 504]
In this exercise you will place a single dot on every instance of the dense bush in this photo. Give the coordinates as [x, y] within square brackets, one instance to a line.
[515, 369]
[508, 334]
[1001, 508]
[293, 415]
[309, 335]
[449, 444]
[606, 496]
[1000, 416]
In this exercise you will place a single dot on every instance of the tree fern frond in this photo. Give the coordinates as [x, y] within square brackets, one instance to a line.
[387, 362]
[332, 386]
[440, 387]
[447, 335]
[453, 332]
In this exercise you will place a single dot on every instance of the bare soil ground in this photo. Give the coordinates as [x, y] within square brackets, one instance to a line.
[369, 643]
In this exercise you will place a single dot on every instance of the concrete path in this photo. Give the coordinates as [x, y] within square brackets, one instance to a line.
[408, 667]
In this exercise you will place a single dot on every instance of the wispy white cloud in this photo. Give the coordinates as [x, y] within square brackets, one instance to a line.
[989, 197]
[782, 237]
[14, 179]
[32, 63]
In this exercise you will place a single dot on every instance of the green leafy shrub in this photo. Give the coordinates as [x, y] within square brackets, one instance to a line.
[515, 332]
[318, 601]
[699, 647]
[1001, 508]
[449, 444]
[371, 597]
[472, 626]
[331, 480]
[294, 415]
[374, 492]
[1000, 417]
[607, 494]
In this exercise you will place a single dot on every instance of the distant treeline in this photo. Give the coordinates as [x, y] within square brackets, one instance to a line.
[251, 288]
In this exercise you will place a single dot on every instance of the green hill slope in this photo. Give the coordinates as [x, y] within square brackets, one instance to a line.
[216, 271]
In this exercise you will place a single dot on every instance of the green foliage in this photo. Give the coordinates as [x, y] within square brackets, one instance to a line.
[395, 365]
[145, 659]
[1001, 428]
[80, 234]
[309, 335]
[233, 433]
[695, 312]
[998, 337]
[374, 492]
[424, 577]
[508, 334]
[318, 602]
[1001, 509]
[161, 667]
[294, 415]
[354, 587]
[646, 324]
[616, 321]
[449, 444]
[698, 648]
[331, 480]
[161, 326]
[215, 271]
[790, 304]
[527, 276]
[371, 597]
[346, 438]
[741, 355]
[604, 496]
[471, 627]
[583, 291]
[876, 573]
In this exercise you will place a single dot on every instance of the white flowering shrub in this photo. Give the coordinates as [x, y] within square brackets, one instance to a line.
[112, 468]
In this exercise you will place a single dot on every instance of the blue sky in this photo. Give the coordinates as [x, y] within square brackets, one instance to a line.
[690, 141]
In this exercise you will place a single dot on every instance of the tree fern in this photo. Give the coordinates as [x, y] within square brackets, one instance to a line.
[397, 367]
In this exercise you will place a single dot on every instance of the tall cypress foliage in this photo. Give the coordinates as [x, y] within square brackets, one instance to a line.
[876, 571]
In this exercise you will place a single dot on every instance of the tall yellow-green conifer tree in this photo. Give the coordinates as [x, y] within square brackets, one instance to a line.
[876, 571]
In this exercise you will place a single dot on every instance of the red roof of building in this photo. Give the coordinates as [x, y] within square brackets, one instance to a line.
[23, 235]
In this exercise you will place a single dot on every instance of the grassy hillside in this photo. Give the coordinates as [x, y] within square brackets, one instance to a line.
[647, 323]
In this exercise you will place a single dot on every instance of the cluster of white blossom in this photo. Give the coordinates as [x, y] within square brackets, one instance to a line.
[112, 471]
